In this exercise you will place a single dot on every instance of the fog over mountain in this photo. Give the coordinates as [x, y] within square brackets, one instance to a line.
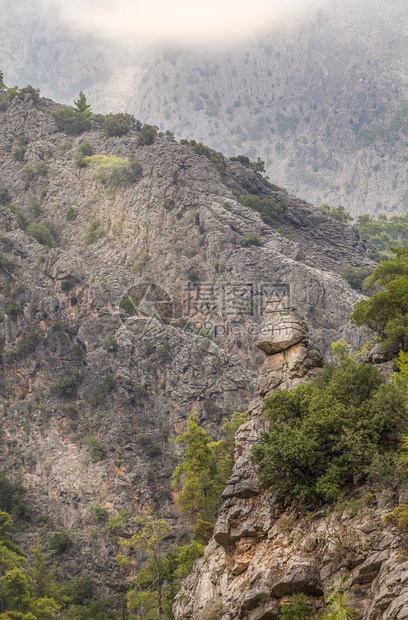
[319, 94]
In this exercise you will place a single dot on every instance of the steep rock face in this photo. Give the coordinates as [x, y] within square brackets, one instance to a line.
[90, 394]
[262, 551]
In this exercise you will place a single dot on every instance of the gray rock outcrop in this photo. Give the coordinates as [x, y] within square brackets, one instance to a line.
[263, 552]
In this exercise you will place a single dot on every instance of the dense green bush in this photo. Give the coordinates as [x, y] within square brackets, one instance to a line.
[94, 232]
[99, 512]
[383, 232]
[60, 542]
[253, 239]
[323, 434]
[11, 497]
[147, 135]
[356, 276]
[27, 344]
[270, 210]
[19, 153]
[130, 305]
[115, 171]
[337, 213]
[71, 214]
[22, 219]
[95, 447]
[84, 150]
[68, 387]
[5, 197]
[72, 122]
[13, 308]
[44, 233]
[119, 124]
[386, 312]
[21, 93]
[163, 353]
[298, 609]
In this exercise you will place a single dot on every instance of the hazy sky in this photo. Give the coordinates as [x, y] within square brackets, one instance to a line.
[179, 21]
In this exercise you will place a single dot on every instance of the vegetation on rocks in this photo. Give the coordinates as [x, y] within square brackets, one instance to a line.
[119, 124]
[203, 472]
[114, 170]
[386, 312]
[383, 232]
[325, 433]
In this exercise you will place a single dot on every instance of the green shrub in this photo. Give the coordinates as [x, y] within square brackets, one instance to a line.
[68, 283]
[27, 344]
[270, 210]
[111, 344]
[78, 351]
[42, 233]
[5, 197]
[253, 239]
[94, 232]
[13, 308]
[22, 140]
[163, 353]
[11, 495]
[19, 153]
[386, 312]
[95, 447]
[298, 609]
[322, 434]
[35, 208]
[130, 305]
[147, 135]
[114, 170]
[337, 213]
[21, 93]
[6, 263]
[398, 517]
[71, 214]
[108, 382]
[72, 122]
[85, 150]
[68, 387]
[22, 219]
[153, 450]
[217, 159]
[355, 276]
[28, 172]
[99, 512]
[60, 542]
[118, 124]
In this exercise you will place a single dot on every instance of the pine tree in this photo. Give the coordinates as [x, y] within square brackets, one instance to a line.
[81, 104]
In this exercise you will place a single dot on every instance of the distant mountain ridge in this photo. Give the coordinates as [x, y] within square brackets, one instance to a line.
[322, 103]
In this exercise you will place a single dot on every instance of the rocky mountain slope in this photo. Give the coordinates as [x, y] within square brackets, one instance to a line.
[92, 388]
[265, 549]
[323, 102]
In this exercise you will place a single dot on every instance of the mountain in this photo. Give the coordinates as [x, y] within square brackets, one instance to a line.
[322, 101]
[133, 274]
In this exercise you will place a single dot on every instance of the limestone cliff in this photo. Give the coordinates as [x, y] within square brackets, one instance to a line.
[91, 392]
[264, 551]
